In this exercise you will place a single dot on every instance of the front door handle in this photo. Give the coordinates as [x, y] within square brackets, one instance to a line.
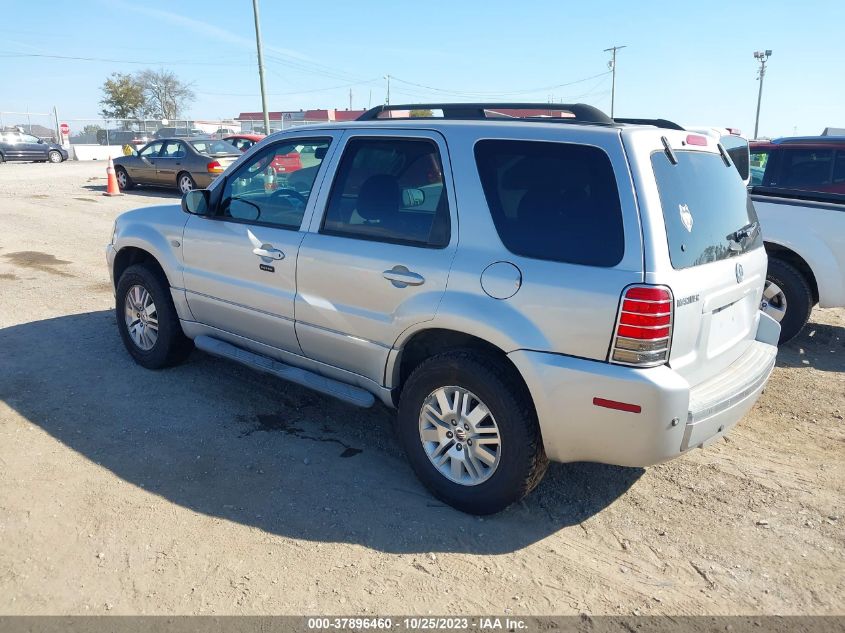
[269, 252]
[401, 277]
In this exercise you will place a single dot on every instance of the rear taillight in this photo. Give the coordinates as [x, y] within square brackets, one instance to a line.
[643, 333]
[214, 167]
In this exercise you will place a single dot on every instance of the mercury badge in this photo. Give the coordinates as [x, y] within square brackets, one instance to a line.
[740, 273]
[686, 217]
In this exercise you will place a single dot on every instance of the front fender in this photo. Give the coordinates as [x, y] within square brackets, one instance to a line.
[158, 231]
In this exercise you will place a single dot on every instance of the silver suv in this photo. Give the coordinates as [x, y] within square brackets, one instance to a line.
[524, 283]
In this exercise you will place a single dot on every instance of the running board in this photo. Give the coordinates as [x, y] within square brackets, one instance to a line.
[342, 391]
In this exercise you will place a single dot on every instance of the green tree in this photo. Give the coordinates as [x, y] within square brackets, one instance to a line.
[123, 97]
[166, 96]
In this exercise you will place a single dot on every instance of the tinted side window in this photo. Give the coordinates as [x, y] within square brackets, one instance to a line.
[173, 149]
[262, 191]
[808, 169]
[839, 168]
[390, 190]
[554, 201]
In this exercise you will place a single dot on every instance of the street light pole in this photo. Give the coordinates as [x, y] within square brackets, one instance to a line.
[762, 57]
[261, 66]
[612, 64]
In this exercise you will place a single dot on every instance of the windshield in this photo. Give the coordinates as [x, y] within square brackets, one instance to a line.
[215, 148]
[705, 206]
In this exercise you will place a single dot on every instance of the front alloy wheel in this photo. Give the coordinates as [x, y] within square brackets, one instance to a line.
[54, 157]
[460, 435]
[141, 317]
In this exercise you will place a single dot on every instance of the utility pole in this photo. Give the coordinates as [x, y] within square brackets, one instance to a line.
[762, 57]
[261, 66]
[612, 65]
[387, 98]
[350, 98]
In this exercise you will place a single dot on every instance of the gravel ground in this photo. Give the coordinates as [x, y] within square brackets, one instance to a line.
[209, 489]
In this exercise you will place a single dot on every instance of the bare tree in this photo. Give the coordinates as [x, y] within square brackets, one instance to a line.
[166, 95]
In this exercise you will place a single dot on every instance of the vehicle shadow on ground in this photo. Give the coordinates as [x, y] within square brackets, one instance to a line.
[222, 440]
[144, 191]
[818, 345]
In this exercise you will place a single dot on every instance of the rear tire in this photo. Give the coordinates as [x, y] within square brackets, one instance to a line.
[139, 287]
[795, 298]
[520, 461]
[185, 182]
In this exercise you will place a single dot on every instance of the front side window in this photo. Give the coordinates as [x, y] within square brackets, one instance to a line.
[390, 190]
[151, 150]
[263, 191]
[806, 169]
[28, 138]
[553, 201]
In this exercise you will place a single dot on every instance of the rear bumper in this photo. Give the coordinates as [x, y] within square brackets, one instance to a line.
[673, 417]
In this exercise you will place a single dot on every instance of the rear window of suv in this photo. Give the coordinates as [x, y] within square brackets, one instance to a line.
[553, 201]
[704, 202]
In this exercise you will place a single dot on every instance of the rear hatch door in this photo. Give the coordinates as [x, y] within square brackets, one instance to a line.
[703, 241]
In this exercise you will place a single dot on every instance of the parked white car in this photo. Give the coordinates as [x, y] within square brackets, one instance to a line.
[797, 194]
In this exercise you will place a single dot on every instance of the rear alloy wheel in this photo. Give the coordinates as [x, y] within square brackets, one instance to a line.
[470, 431]
[787, 298]
[185, 182]
[54, 156]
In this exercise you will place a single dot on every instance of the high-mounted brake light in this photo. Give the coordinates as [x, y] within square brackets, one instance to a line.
[734, 130]
[643, 332]
[695, 139]
[214, 167]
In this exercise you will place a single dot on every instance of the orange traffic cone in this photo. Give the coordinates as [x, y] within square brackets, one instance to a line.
[112, 189]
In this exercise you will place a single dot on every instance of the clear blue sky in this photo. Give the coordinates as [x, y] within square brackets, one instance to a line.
[694, 66]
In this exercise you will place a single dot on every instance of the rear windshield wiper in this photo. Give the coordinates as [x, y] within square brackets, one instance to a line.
[747, 232]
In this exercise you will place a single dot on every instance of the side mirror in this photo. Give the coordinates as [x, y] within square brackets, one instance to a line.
[196, 202]
[412, 197]
[41, 141]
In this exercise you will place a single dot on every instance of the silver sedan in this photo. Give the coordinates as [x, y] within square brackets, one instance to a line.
[186, 163]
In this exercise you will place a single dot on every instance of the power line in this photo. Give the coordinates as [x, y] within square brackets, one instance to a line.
[499, 94]
[118, 61]
[285, 94]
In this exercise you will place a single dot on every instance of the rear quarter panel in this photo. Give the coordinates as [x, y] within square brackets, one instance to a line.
[816, 232]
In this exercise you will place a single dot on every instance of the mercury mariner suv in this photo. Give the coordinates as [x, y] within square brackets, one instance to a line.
[523, 282]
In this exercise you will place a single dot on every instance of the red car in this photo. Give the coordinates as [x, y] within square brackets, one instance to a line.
[809, 163]
[283, 163]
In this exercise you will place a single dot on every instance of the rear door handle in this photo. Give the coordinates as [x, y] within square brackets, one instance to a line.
[401, 277]
[270, 253]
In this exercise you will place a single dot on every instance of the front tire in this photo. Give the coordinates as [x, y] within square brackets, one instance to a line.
[54, 157]
[124, 182]
[787, 298]
[147, 320]
[470, 432]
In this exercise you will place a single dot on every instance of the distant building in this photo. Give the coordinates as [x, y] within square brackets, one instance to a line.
[282, 120]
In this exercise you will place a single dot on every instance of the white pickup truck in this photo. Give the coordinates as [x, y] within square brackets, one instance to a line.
[798, 189]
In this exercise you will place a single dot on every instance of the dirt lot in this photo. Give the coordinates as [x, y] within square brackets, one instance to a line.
[211, 489]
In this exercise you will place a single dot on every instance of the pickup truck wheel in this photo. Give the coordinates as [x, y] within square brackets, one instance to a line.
[787, 298]
[124, 182]
[472, 438]
[147, 320]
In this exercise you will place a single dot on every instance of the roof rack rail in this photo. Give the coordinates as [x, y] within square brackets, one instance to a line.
[582, 113]
[662, 123]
